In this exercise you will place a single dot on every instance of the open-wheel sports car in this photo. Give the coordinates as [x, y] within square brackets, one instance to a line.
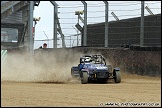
[94, 68]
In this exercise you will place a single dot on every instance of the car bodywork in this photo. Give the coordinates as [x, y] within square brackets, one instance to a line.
[95, 70]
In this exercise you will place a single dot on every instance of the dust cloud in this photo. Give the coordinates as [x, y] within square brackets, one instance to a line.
[54, 67]
[51, 66]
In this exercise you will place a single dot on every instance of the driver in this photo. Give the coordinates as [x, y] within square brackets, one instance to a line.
[86, 60]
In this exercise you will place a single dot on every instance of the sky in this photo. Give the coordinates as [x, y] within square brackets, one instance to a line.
[95, 14]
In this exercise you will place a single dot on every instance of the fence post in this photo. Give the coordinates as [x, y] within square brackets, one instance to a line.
[142, 24]
[106, 23]
[85, 24]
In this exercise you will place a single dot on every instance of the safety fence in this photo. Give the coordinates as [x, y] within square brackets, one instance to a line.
[120, 17]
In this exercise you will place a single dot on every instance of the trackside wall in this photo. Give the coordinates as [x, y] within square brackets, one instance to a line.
[130, 61]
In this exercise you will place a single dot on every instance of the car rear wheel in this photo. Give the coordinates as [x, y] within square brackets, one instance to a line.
[84, 78]
[74, 71]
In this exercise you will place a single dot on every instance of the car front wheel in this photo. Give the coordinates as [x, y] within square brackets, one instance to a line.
[117, 77]
[84, 78]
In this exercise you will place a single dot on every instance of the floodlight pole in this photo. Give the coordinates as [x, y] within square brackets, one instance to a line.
[85, 24]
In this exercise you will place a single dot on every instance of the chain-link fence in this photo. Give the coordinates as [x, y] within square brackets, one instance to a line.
[124, 23]
[126, 32]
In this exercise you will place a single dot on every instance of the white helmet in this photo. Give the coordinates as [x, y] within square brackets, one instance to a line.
[87, 59]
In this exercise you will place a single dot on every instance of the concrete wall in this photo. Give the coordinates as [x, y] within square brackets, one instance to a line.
[130, 61]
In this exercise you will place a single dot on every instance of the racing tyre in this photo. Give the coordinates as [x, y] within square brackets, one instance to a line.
[117, 77]
[84, 78]
[74, 72]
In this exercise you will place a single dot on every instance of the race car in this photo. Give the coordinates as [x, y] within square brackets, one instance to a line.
[94, 68]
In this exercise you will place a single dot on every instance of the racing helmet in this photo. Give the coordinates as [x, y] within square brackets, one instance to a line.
[88, 59]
